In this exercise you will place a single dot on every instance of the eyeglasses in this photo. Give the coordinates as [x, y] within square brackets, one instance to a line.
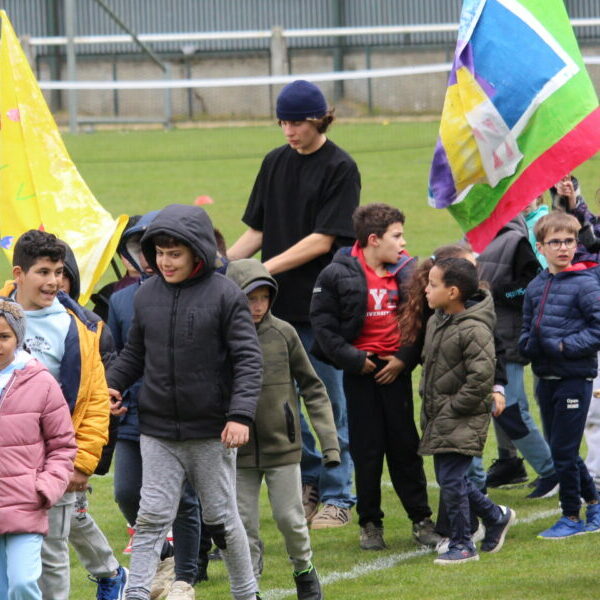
[569, 243]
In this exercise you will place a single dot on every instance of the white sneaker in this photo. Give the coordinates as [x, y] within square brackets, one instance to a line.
[181, 590]
[165, 576]
[442, 545]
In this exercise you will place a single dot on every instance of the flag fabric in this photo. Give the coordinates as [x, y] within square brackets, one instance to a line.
[40, 187]
[520, 112]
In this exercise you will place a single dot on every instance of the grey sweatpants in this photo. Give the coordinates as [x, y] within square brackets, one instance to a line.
[88, 541]
[55, 581]
[284, 486]
[210, 469]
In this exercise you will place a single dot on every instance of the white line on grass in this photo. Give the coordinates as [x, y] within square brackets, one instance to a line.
[386, 562]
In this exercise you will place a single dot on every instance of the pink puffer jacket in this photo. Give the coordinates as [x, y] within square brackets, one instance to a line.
[37, 449]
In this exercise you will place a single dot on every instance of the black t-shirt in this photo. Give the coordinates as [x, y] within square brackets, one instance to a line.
[295, 195]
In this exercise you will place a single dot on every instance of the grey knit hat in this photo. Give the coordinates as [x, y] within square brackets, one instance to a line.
[15, 317]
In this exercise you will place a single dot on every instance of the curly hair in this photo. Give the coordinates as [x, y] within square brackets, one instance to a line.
[35, 244]
[415, 312]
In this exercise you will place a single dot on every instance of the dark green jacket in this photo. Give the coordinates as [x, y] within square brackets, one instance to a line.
[457, 379]
[275, 437]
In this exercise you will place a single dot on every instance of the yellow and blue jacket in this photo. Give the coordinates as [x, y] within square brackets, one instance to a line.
[83, 382]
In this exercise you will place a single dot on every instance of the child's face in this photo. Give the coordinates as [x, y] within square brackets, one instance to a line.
[436, 292]
[559, 249]
[37, 287]
[390, 244]
[8, 343]
[175, 263]
[302, 136]
[259, 300]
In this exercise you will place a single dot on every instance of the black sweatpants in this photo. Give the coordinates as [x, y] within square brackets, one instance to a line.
[381, 423]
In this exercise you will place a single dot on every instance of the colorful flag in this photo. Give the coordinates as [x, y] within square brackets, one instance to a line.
[520, 112]
[40, 187]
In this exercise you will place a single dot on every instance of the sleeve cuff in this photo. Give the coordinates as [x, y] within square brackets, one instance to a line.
[240, 419]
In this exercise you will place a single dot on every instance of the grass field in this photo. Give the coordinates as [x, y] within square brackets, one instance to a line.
[134, 172]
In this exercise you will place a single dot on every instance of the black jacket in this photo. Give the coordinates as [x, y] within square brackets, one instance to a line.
[508, 264]
[194, 342]
[338, 308]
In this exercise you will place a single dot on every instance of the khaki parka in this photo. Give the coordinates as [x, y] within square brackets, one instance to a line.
[457, 379]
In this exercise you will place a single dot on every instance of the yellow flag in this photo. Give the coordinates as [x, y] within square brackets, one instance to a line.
[40, 187]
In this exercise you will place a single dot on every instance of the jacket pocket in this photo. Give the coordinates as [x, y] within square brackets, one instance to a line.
[289, 423]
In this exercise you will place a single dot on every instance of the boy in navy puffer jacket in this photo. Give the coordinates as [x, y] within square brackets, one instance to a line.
[561, 336]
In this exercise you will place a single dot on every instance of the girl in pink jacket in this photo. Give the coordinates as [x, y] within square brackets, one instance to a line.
[37, 449]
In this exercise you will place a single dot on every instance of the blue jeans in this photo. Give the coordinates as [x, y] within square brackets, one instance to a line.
[476, 472]
[20, 566]
[335, 484]
[518, 424]
[460, 497]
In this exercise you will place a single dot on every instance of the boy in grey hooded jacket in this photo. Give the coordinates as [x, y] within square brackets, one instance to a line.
[275, 446]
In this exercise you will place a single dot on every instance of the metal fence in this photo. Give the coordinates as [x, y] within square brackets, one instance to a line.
[46, 18]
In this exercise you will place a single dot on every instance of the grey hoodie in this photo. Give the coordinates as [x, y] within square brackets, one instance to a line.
[275, 437]
[194, 342]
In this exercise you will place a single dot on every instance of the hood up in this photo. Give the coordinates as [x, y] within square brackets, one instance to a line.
[249, 274]
[191, 225]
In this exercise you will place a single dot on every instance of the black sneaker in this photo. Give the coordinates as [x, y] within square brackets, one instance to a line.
[506, 471]
[545, 488]
[308, 586]
[495, 533]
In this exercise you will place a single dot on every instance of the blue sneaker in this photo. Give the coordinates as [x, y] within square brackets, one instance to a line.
[456, 556]
[495, 533]
[563, 528]
[112, 588]
[592, 518]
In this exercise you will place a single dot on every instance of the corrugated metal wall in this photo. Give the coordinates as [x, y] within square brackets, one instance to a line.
[45, 17]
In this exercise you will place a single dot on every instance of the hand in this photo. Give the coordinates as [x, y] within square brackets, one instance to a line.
[499, 404]
[389, 373]
[235, 434]
[566, 188]
[116, 403]
[116, 408]
[78, 482]
[368, 367]
[114, 394]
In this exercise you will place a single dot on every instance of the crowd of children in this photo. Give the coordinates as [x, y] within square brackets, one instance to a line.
[201, 382]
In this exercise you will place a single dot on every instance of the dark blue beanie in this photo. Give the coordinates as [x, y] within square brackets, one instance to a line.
[301, 100]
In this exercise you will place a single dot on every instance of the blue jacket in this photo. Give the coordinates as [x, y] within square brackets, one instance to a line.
[561, 323]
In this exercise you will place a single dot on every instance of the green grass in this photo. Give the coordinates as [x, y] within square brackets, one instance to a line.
[134, 172]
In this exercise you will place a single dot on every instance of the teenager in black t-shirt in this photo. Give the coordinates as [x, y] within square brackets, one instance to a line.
[299, 213]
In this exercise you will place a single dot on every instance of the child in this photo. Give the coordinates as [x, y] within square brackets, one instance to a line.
[354, 314]
[275, 445]
[413, 319]
[561, 336]
[37, 434]
[61, 336]
[456, 386]
[193, 340]
[508, 264]
[177, 560]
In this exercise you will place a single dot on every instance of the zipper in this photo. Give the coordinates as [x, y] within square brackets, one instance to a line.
[172, 358]
[256, 449]
[543, 302]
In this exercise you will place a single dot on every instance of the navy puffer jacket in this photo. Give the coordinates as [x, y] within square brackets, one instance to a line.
[561, 323]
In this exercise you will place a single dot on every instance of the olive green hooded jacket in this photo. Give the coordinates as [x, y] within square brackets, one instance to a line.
[275, 437]
[457, 379]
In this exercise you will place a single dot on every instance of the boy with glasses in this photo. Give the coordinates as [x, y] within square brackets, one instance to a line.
[561, 336]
